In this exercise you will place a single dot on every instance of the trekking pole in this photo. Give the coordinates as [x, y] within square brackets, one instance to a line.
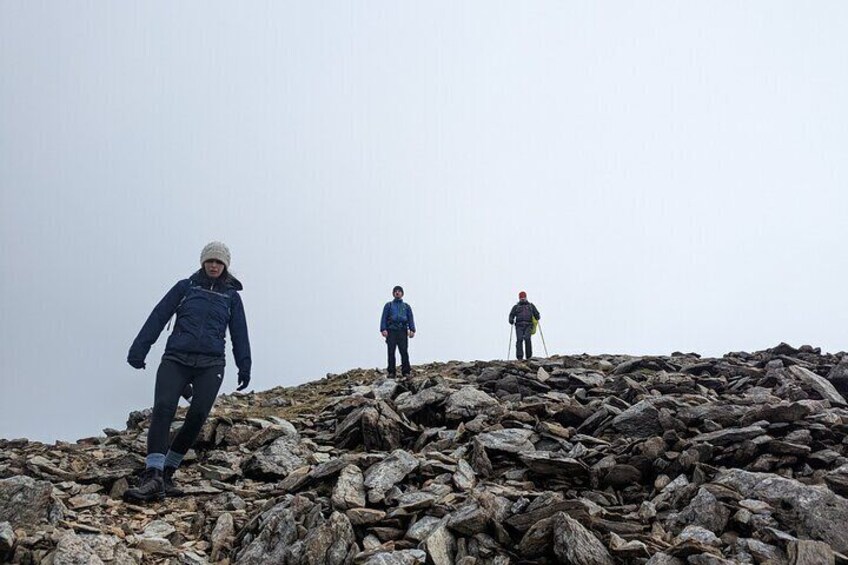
[509, 345]
[541, 333]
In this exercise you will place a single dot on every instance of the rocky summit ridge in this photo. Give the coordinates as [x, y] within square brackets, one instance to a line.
[584, 460]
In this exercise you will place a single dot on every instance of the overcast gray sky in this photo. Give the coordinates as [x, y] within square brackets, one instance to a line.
[658, 176]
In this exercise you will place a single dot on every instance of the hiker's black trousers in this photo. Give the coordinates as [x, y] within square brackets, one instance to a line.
[171, 379]
[522, 337]
[399, 339]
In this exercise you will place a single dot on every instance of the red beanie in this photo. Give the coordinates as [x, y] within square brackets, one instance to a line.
[522, 294]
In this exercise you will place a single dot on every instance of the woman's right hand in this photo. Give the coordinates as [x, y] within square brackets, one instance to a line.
[137, 363]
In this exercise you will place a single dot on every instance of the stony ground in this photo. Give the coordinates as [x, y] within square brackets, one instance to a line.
[581, 460]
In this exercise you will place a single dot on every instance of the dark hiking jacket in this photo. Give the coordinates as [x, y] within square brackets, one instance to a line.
[205, 309]
[397, 315]
[522, 314]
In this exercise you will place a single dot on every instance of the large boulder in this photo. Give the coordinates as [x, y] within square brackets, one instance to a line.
[279, 529]
[375, 426]
[25, 502]
[276, 460]
[813, 512]
[704, 510]
[821, 385]
[640, 420]
[72, 550]
[467, 403]
[575, 545]
[331, 543]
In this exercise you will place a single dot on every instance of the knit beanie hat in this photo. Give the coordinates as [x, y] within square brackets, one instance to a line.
[397, 288]
[216, 250]
[522, 295]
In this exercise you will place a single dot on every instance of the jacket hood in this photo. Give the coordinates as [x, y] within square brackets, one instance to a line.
[199, 277]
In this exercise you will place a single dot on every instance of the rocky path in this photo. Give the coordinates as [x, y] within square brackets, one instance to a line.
[584, 460]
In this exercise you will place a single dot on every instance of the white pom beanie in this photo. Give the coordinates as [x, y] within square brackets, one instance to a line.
[216, 250]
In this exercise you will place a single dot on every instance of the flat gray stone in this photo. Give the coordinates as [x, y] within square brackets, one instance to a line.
[364, 516]
[664, 559]
[82, 501]
[422, 528]
[417, 500]
[699, 535]
[554, 464]
[469, 519]
[511, 440]
[385, 389]
[382, 476]
[408, 403]
[404, 557]
[217, 472]
[158, 529]
[156, 546]
[729, 436]
[349, 491]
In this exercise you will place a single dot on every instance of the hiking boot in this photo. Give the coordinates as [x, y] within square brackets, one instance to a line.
[151, 487]
[168, 478]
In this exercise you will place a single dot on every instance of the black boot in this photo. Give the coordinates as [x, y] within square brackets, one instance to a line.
[151, 487]
[170, 488]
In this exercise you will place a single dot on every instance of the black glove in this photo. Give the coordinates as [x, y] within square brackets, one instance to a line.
[137, 363]
[188, 392]
[243, 380]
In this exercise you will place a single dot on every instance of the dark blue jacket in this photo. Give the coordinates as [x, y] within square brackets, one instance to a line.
[205, 308]
[397, 315]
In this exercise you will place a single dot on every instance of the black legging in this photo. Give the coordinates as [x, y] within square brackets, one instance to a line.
[171, 379]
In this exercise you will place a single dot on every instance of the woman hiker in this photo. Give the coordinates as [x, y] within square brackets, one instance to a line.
[206, 304]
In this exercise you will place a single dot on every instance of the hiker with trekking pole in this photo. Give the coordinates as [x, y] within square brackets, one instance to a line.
[525, 317]
[207, 304]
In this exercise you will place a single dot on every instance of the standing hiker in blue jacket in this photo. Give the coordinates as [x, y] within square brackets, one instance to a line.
[206, 304]
[522, 315]
[396, 325]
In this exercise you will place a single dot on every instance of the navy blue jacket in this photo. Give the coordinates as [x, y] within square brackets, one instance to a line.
[205, 308]
[397, 315]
